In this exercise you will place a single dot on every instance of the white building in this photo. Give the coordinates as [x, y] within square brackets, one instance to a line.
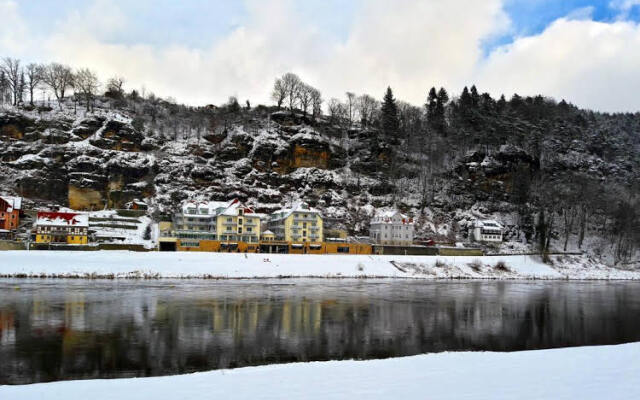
[391, 227]
[486, 231]
[217, 220]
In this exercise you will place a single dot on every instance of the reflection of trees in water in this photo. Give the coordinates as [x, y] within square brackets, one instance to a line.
[154, 333]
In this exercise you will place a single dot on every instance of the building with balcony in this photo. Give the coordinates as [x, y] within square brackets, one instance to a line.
[10, 208]
[229, 221]
[390, 227]
[62, 227]
[486, 231]
[297, 224]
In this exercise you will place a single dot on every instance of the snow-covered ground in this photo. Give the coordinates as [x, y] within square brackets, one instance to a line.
[95, 264]
[602, 372]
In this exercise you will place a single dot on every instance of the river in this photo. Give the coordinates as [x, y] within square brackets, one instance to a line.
[79, 329]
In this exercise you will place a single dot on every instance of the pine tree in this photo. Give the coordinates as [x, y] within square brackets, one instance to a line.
[390, 121]
[475, 97]
[465, 100]
[443, 99]
[501, 104]
[431, 106]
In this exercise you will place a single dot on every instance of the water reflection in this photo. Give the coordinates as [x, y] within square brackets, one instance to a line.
[52, 330]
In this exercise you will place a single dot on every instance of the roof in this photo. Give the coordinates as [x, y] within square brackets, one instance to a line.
[50, 218]
[487, 224]
[386, 217]
[15, 203]
[210, 207]
[268, 232]
[297, 207]
[215, 208]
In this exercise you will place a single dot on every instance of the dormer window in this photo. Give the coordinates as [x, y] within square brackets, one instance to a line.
[240, 211]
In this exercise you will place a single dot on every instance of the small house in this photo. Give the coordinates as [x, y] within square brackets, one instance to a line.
[486, 231]
[10, 208]
[62, 227]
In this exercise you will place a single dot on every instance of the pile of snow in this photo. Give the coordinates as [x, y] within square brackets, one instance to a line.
[602, 372]
[115, 264]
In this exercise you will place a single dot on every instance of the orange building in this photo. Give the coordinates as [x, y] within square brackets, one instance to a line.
[9, 213]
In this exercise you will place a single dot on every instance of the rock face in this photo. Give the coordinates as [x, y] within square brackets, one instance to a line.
[268, 158]
[102, 160]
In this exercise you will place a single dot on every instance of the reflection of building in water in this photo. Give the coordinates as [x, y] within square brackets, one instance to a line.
[74, 308]
[7, 328]
[211, 326]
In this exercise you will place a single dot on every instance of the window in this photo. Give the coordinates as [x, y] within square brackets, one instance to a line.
[228, 228]
[239, 221]
[229, 219]
[248, 229]
[240, 211]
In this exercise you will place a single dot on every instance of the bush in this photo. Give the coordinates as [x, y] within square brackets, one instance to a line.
[475, 265]
[501, 266]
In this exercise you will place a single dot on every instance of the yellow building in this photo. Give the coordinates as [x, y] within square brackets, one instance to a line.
[62, 227]
[297, 224]
[229, 221]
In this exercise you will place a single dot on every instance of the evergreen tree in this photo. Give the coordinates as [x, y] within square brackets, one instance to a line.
[465, 103]
[431, 106]
[501, 104]
[475, 97]
[389, 117]
[443, 99]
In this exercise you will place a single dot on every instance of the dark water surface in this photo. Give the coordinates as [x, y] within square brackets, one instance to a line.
[71, 329]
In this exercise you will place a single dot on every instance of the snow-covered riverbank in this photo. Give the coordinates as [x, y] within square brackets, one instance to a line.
[123, 264]
[602, 372]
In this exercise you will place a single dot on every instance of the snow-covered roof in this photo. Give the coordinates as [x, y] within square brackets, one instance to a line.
[385, 216]
[268, 232]
[50, 218]
[214, 208]
[234, 206]
[203, 209]
[297, 207]
[488, 224]
[15, 203]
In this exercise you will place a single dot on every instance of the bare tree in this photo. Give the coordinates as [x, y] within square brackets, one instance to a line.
[35, 73]
[335, 110]
[279, 93]
[4, 86]
[115, 87]
[305, 97]
[316, 103]
[59, 78]
[367, 107]
[351, 106]
[87, 83]
[11, 68]
[292, 84]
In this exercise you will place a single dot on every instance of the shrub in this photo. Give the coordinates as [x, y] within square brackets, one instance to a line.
[501, 266]
[475, 265]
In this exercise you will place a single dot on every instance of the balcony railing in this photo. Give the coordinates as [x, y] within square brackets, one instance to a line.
[307, 218]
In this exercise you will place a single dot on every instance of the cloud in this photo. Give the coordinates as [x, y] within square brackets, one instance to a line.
[13, 29]
[592, 64]
[409, 45]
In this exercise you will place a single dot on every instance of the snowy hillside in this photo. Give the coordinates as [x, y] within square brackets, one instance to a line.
[557, 177]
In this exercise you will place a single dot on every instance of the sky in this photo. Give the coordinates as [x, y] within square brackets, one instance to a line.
[201, 52]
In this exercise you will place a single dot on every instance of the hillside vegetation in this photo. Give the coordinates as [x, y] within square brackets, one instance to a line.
[559, 177]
